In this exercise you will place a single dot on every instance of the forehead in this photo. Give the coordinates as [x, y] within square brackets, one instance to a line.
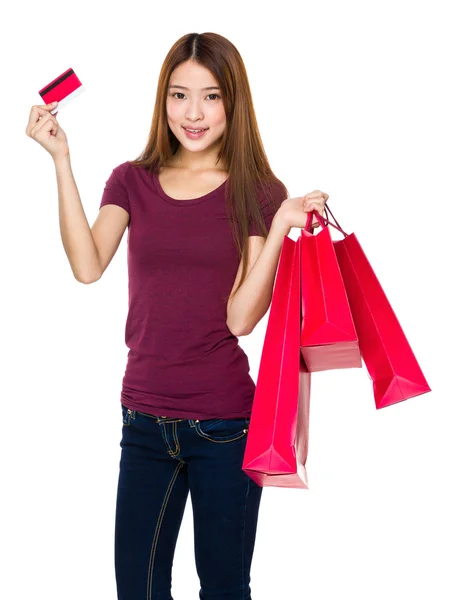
[190, 76]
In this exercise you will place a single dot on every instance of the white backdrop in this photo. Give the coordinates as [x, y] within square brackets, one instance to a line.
[351, 99]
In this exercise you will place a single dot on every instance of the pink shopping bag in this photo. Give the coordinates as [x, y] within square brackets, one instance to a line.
[328, 335]
[387, 354]
[277, 440]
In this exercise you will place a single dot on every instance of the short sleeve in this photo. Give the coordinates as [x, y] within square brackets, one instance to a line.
[270, 201]
[115, 191]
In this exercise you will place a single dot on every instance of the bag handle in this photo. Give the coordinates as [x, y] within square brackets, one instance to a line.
[327, 210]
[323, 222]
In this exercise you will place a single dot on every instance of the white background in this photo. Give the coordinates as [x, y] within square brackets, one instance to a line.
[352, 99]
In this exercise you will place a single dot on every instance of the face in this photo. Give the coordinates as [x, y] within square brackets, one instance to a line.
[195, 108]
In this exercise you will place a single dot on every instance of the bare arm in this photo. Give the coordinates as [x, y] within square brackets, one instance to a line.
[76, 233]
[253, 299]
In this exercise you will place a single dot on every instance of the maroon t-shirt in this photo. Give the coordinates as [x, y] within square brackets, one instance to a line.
[183, 361]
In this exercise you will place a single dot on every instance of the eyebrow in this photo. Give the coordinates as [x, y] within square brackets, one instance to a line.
[182, 87]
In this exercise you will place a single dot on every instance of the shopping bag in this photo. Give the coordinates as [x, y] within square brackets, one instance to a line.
[277, 439]
[328, 335]
[387, 354]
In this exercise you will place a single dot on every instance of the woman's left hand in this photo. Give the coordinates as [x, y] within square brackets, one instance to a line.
[294, 211]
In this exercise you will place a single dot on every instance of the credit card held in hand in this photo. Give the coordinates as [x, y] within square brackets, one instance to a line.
[64, 88]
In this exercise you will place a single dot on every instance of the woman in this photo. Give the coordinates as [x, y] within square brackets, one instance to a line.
[206, 219]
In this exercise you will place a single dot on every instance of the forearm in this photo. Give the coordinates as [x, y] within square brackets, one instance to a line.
[253, 298]
[76, 233]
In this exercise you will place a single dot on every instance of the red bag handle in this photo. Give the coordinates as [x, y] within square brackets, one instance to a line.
[327, 210]
[323, 222]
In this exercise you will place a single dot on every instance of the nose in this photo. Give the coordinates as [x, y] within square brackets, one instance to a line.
[194, 113]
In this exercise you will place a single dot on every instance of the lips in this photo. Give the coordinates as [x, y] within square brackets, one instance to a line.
[195, 129]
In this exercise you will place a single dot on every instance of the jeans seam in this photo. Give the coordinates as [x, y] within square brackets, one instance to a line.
[221, 441]
[169, 450]
[243, 538]
[165, 439]
[151, 563]
[147, 415]
[174, 431]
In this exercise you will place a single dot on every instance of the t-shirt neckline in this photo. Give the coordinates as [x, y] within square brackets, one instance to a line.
[187, 202]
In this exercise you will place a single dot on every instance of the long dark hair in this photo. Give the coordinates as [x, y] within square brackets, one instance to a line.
[242, 151]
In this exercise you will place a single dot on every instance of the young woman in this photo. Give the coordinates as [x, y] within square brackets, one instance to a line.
[206, 219]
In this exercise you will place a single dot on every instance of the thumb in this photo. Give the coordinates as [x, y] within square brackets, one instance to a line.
[43, 108]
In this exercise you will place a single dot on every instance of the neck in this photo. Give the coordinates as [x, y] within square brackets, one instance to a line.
[204, 160]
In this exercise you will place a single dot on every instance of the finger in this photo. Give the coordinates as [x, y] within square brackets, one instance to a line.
[47, 122]
[322, 197]
[50, 104]
[38, 111]
[309, 206]
[316, 193]
[319, 199]
[43, 108]
[43, 118]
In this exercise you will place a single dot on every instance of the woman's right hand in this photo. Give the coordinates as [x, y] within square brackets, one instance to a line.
[45, 129]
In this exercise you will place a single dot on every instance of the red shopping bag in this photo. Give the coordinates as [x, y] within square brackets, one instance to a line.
[386, 352]
[277, 439]
[328, 335]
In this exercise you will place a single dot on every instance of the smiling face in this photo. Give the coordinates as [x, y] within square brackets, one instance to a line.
[195, 108]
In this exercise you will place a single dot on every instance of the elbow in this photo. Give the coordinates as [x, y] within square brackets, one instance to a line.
[239, 331]
[246, 331]
[87, 280]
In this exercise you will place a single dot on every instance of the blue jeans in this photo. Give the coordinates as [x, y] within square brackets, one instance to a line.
[162, 460]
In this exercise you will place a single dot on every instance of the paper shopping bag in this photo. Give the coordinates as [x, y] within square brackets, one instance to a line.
[277, 439]
[387, 354]
[328, 335]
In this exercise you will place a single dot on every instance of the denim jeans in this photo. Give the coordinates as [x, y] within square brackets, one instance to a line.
[162, 460]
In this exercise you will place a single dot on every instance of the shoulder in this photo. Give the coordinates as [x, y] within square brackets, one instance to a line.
[272, 193]
[116, 190]
[126, 175]
[121, 172]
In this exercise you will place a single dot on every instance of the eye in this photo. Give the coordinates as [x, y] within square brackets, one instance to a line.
[181, 93]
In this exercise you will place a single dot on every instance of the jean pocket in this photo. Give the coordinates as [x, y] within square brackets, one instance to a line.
[223, 430]
[148, 415]
[126, 415]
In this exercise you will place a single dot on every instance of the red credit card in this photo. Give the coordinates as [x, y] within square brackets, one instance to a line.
[64, 88]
